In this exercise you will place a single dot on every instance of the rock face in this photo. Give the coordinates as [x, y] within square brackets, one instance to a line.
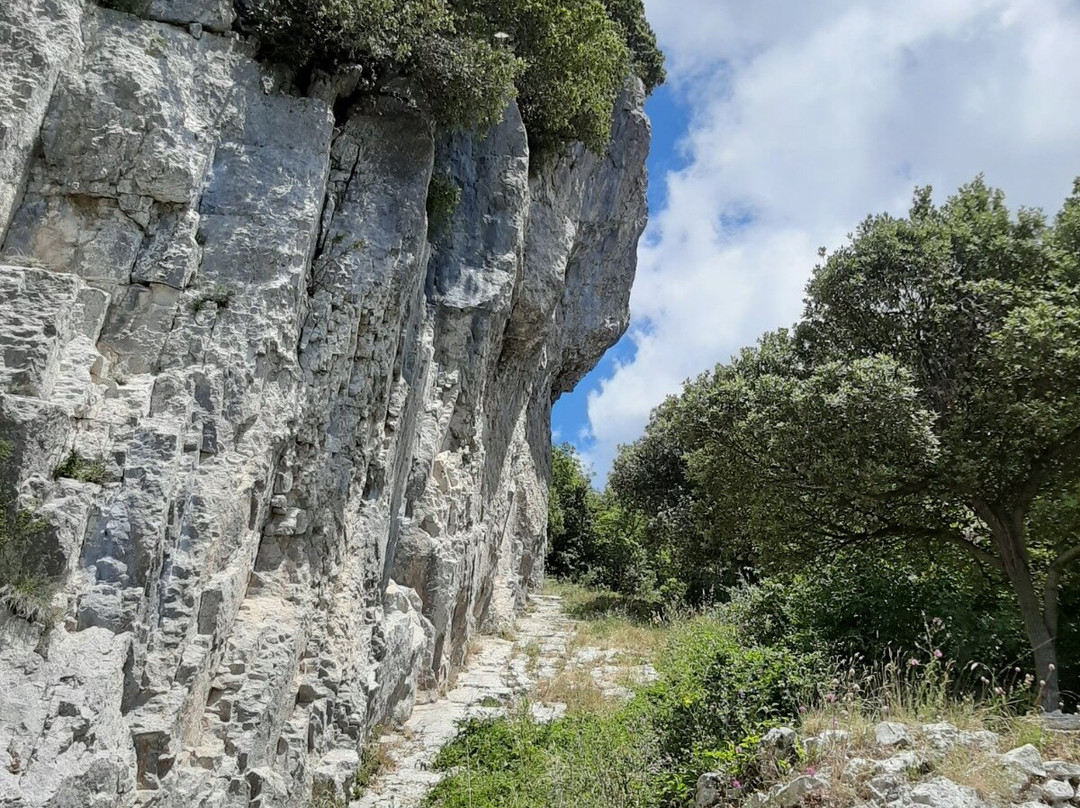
[322, 419]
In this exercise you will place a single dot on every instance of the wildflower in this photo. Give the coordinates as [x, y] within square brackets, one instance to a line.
[830, 697]
[938, 654]
[913, 663]
[999, 691]
[736, 784]
[802, 709]
[974, 665]
[984, 680]
[811, 770]
[1053, 667]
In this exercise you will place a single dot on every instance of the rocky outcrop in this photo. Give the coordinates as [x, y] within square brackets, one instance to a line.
[320, 421]
[863, 768]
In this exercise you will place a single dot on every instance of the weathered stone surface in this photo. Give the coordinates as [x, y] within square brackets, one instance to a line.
[1025, 760]
[941, 792]
[891, 734]
[830, 738]
[324, 426]
[1056, 792]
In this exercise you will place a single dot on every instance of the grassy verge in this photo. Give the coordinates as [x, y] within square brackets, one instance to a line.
[717, 693]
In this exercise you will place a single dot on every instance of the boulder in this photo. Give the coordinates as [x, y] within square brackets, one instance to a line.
[940, 792]
[892, 735]
[1024, 760]
[1056, 792]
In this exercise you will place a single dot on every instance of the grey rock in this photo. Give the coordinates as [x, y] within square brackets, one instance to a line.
[903, 763]
[891, 734]
[325, 425]
[827, 739]
[1025, 760]
[941, 792]
[1063, 770]
[944, 736]
[1056, 792]
[857, 769]
[778, 743]
[794, 792]
[1061, 722]
[711, 789]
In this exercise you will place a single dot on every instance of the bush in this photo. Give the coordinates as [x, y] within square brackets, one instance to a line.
[576, 61]
[641, 39]
[568, 61]
[714, 699]
[875, 605]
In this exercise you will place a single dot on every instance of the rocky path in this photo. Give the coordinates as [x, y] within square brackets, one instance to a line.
[498, 674]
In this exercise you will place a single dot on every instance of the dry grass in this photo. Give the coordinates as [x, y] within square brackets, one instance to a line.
[636, 643]
[977, 769]
[577, 689]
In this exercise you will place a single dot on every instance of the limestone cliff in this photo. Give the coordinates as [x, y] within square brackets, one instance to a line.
[321, 421]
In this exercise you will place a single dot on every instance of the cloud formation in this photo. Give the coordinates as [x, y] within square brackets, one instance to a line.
[806, 117]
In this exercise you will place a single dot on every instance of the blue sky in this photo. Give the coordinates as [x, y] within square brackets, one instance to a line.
[670, 121]
[784, 124]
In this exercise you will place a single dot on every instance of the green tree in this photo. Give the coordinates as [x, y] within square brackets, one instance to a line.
[569, 515]
[928, 394]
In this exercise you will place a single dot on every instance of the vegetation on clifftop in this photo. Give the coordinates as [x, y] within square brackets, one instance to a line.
[565, 60]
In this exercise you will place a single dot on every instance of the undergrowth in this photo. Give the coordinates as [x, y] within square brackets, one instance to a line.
[718, 692]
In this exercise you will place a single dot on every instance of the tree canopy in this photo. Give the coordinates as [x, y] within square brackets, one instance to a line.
[928, 397]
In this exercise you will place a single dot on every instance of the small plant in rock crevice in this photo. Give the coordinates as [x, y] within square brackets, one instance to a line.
[26, 588]
[77, 467]
[220, 296]
[444, 196]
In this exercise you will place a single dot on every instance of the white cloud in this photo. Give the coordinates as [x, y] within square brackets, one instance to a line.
[807, 117]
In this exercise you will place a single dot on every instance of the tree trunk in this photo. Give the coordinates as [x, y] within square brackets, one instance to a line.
[1038, 614]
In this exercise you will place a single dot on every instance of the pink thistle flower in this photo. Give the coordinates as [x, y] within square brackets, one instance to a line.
[938, 654]
[913, 663]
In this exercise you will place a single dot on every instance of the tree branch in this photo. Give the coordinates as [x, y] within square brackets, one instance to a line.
[971, 547]
[1067, 447]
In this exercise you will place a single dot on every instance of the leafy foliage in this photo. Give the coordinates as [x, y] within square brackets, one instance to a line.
[591, 537]
[567, 65]
[443, 198]
[597, 760]
[714, 699]
[918, 429]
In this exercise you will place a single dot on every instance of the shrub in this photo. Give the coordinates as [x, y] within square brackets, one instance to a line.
[641, 39]
[714, 699]
[567, 65]
[26, 587]
[873, 604]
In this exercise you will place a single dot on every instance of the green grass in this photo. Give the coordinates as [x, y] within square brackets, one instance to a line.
[26, 588]
[599, 761]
